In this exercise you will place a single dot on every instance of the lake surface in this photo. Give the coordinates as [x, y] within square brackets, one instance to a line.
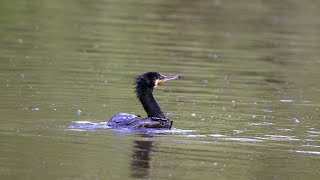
[246, 107]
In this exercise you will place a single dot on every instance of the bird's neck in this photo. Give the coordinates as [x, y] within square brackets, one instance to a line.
[149, 104]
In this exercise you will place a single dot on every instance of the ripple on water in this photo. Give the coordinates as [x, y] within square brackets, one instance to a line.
[91, 126]
[284, 129]
[309, 152]
[314, 132]
[216, 135]
[243, 139]
[286, 100]
[195, 135]
[87, 126]
[261, 124]
[279, 137]
[224, 137]
[309, 145]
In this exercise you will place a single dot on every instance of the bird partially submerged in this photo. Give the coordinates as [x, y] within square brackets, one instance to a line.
[144, 86]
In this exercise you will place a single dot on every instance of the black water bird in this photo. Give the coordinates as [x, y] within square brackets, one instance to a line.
[144, 86]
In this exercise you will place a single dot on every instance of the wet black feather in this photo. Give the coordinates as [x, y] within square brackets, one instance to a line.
[144, 85]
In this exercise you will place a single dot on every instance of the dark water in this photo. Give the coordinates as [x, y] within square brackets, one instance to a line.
[246, 107]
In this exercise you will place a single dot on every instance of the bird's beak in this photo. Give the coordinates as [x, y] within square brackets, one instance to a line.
[166, 78]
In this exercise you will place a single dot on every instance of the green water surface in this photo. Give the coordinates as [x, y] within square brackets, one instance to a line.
[246, 106]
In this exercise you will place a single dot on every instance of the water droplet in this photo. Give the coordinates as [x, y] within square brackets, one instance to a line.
[237, 131]
[295, 120]
[213, 56]
[78, 112]
[233, 104]
[286, 100]
[205, 81]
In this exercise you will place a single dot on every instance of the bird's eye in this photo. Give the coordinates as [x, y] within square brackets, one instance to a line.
[157, 82]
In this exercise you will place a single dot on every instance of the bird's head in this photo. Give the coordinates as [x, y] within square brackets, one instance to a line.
[153, 79]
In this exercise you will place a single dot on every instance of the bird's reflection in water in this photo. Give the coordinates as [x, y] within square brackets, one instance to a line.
[140, 163]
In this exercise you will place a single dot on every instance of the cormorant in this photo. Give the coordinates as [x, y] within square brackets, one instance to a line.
[144, 86]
